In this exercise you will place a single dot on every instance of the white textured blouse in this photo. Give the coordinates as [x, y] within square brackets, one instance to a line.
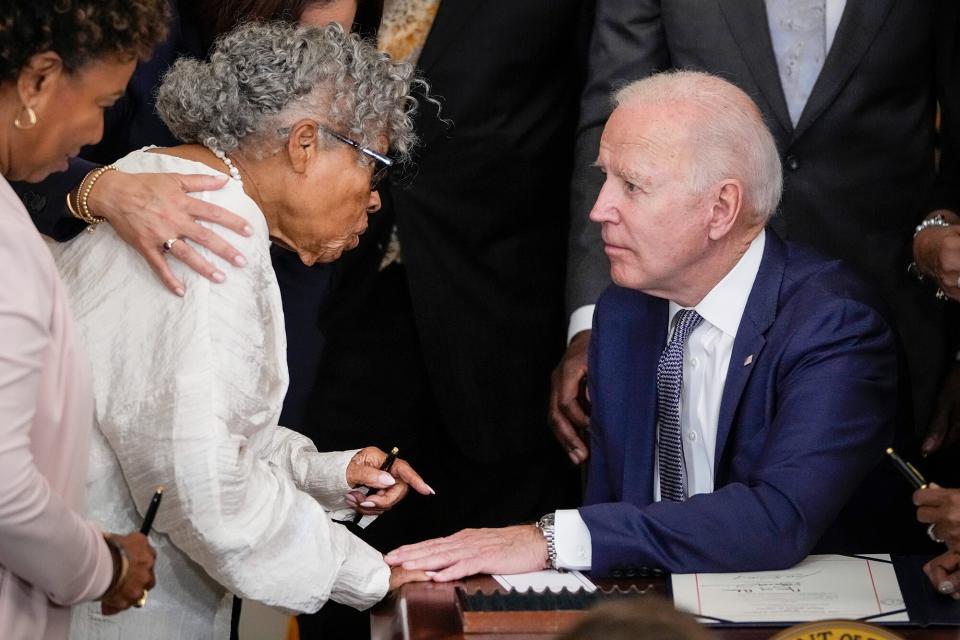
[188, 394]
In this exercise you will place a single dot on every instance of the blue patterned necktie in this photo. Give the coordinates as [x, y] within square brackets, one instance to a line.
[673, 486]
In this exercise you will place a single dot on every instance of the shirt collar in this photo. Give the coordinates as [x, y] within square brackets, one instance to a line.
[723, 306]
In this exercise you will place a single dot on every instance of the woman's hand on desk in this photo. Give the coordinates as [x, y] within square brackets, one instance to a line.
[944, 573]
[400, 576]
[387, 489]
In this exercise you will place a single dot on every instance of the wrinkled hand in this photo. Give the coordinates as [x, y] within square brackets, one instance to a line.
[940, 507]
[388, 488]
[139, 578]
[567, 418]
[944, 428]
[944, 573]
[400, 576]
[516, 549]
[936, 250]
[147, 209]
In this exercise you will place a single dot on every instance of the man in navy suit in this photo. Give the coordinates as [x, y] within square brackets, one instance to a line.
[742, 387]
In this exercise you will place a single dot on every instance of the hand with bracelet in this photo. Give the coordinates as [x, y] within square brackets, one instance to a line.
[152, 212]
[132, 572]
[936, 250]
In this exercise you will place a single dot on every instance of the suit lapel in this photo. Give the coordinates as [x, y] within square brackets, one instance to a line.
[758, 316]
[747, 22]
[858, 28]
[649, 337]
[451, 16]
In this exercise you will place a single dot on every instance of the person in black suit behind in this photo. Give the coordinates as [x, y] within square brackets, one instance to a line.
[451, 347]
[858, 152]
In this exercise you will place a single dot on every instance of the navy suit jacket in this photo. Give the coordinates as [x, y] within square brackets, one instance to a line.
[808, 407]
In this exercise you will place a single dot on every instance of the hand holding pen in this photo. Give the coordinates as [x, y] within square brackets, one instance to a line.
[133, 559]
[377, 490]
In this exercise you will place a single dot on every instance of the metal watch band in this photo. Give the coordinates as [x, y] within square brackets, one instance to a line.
[547, 526]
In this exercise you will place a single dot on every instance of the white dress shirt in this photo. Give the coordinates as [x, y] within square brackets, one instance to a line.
[188, 394]
[706, 358]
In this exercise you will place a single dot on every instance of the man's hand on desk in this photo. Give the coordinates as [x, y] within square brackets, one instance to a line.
[387, 489]
[516, 549]
[944, 573]
[566, 415]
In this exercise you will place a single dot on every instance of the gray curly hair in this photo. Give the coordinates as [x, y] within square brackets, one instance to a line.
[263, 77]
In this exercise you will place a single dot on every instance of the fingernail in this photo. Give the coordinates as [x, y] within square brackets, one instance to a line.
[218, 276]
[430, 489]
[350, 498]
[955, 596]
[928, 446]
[248, 230]
[367, 504]
[180, 292]
[240, 261]
[387, 479]
[946, 587]
[430, 574]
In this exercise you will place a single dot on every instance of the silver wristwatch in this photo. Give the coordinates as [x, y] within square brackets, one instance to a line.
[933, 221]
[547, 527]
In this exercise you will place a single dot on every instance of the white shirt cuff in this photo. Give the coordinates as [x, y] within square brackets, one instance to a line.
[363, 578]
[572, 538]
[580, 320]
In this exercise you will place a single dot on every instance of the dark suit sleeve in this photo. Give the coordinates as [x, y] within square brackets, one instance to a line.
[834, 390]
[599, 488]
[946, 193]
[46, 201]
[627, 44]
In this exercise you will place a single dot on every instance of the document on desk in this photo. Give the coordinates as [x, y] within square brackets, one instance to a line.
[820, 587]
[542, 580]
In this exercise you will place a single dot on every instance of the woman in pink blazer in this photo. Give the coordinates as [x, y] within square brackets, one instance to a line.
[61, 63]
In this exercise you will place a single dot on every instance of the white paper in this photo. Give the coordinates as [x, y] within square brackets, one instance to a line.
[542, 580]
[820, 587]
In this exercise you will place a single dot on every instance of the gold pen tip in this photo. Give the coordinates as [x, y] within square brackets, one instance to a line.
[394, 451]
[160, 489]
[889, 450]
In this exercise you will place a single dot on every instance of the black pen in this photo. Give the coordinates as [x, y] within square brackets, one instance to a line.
[391, 458]
[908, 470]
[151, 512]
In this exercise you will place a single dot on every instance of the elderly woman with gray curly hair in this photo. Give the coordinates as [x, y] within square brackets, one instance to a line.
[189, 390]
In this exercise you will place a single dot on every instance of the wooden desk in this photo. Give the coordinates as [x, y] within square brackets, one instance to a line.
[427, 611]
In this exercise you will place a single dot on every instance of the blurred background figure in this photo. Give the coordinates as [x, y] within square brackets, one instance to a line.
[643, 618]
[61, 64]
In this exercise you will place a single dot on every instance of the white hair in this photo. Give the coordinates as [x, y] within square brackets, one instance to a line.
[730, 137]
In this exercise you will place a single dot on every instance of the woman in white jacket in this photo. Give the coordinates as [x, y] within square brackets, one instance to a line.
[189, 389]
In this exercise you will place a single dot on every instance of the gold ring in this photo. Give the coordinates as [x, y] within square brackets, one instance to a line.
[143, 600]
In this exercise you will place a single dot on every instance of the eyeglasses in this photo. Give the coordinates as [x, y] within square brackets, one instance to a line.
[381, 163]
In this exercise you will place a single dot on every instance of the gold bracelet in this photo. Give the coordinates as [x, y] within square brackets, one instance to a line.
[82, 208]
[71, 208]
[121, 555]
